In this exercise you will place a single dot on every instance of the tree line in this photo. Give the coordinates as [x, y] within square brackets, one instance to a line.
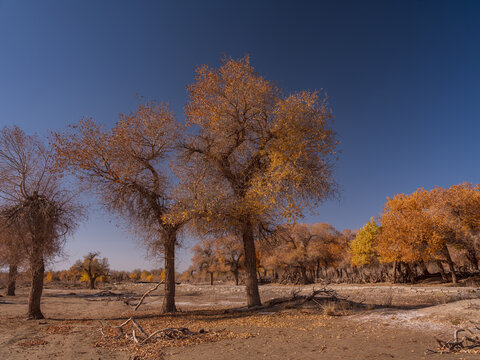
[248, 157]
[438, 227]
[417, 236]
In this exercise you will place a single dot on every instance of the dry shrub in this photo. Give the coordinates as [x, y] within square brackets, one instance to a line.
[337, 308]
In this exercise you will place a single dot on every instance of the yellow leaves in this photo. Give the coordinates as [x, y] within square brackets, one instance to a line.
[363, 247]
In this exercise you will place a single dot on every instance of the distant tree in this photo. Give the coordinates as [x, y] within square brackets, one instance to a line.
[327, 249]
[255, 155]
[36, 208]
[411, 233]
[293, 248]
[93, 267]
[10, 254]
[128, 168]
[304, 249]
[457, 213]
[230, 254]
[205, 258]
[363, 247]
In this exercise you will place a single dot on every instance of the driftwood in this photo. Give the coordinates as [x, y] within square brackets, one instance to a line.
[470, 340]
[167, 333]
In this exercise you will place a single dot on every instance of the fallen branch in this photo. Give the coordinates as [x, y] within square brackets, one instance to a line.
[457, 345]
[148, 292]
[167, 333]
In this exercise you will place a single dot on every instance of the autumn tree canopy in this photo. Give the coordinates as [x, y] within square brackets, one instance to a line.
[256, 154]
[363, 246]
[428, 225]
[93, 267]
[303, 249]
[128, 167]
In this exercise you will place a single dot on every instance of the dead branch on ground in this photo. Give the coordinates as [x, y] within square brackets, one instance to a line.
[469, 341]
[166, 334]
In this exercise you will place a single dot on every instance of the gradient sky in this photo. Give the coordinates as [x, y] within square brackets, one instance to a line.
[403, 79]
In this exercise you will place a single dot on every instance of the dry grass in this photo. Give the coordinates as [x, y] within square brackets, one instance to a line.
[217, 326]
[337, 308]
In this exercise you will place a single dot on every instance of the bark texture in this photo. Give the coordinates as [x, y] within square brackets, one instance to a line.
[12, 279]
[38, 271]
[169, 300]
[251, 282]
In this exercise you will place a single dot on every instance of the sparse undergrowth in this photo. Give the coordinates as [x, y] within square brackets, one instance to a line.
[298, 312]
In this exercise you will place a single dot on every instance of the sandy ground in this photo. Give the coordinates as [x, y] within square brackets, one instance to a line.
[394, 322]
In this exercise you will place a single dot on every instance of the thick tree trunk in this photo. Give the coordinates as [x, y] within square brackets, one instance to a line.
[12, 279]
[450, 264]
[92, 283]
[169, 300]
[211, 278]
[251, 282]
[37, 269]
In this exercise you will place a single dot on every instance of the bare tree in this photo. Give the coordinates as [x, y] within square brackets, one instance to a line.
[10, 255]
[128, 167]
[205, 258]
[230, 254]
[38, 213]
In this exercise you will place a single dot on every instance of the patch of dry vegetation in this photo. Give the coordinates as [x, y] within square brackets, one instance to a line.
[200, 331]
[33, 342]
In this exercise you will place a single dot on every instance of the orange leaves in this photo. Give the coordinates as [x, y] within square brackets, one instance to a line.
[419, 226]
[271, 154]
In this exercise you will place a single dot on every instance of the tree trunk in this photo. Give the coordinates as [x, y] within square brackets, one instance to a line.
[442, 270]
[446, 253]
[423, 268]
[169, 300]
[92, 283]
[251, 282]
[12, 279]
[303, 272]
[211, 278]
[235, 273]
[37, 269]
[395, 271]
[409, 273]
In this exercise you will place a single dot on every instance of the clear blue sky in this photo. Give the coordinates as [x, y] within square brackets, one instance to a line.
[403, 79]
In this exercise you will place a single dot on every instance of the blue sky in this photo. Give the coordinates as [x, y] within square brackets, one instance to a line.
[403, 79]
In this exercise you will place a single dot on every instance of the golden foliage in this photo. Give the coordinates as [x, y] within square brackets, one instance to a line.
[421, 226]
[257, 153]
